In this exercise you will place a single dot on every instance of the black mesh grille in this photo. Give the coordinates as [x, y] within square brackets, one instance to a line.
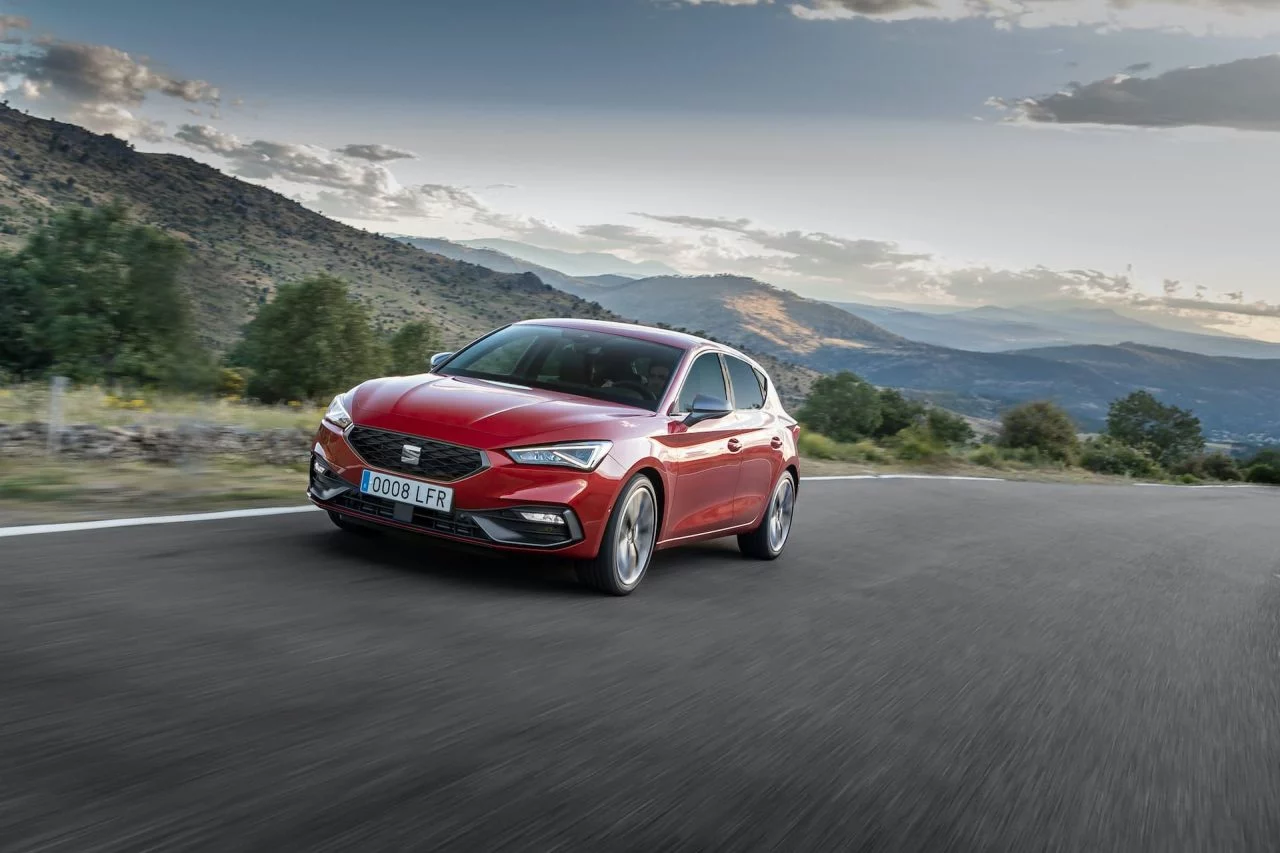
[437, 461]
[424, 519]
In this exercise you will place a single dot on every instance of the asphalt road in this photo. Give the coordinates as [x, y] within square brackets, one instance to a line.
[932, 666]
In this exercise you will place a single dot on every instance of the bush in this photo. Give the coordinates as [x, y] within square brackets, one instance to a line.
[987, 456]
[916, 444]
[948, 428]
[1043, 426]
[1215, 466]
[411, 348]
[842, 406]
[1105, 455]
[232, 382]
[820, 447]
[1263, 473]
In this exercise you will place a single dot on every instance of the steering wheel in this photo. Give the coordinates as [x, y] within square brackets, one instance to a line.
[638, 387]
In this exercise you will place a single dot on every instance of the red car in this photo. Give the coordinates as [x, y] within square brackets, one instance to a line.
[601, 442]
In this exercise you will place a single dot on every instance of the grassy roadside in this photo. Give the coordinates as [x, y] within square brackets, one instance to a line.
[37, 491]
[104, 407]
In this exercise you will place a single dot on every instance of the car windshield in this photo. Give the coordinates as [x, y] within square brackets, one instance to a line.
[592, 364]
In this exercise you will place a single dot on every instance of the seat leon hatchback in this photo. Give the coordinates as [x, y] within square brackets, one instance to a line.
[601, 442]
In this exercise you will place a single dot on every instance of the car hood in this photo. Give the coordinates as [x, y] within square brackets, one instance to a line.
[478, 413]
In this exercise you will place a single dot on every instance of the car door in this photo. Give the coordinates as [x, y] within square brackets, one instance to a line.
[706, 469]
[759, 460]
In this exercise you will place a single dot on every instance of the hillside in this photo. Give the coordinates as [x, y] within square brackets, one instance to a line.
[998, 329]
[1233, 396]
[245, 240]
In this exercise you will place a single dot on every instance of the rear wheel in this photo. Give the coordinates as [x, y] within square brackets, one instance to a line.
[628, 543]
[770, 537]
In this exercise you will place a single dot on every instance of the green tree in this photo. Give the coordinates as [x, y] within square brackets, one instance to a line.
[947, 427]
[1167, 434]
[310, 342]
[96, 297]
[842, 406]
[1042, 425]
[897, 413]
[1105, 455]
[411, 348]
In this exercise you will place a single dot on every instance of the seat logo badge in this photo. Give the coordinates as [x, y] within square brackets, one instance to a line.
[410, 455]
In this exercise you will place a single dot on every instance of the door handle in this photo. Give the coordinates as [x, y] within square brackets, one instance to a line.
[734, 445]
[776, 442]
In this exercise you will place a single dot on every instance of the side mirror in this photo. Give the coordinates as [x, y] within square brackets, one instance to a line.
[439, 358]
[706, 408]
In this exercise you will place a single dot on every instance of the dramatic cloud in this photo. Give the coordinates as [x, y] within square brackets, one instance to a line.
[1244, 94]
[375, 153]
[97, 74]
[353, 188]
[1243, 17]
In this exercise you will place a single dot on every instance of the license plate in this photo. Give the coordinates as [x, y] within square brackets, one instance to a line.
[415, 492]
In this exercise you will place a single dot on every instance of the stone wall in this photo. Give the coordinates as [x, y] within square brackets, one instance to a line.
[159, 444]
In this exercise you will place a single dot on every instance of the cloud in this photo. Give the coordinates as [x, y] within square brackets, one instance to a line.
[376, 153]
[1243, 94]
[627, 234]
[353, 188]
[1219, 17]
[12, 22]
[97, 74]
[117, 121]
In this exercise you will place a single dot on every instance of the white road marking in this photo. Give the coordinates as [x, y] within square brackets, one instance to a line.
[30, 529]
[70, 527]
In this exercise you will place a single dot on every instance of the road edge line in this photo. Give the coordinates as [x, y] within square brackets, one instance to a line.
[105, 523]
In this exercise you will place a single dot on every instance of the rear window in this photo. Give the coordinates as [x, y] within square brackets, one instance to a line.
[747, 393]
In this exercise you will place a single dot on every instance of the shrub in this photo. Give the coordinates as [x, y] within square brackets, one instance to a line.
[987, 456]
[948, 428]
[820, 447]
[1215, 466]
[232, 382]
[842, 406]
[916, 444]
[1263, 473]
[1105, 455]
[1043, 426]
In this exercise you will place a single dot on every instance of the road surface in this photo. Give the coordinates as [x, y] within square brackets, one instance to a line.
[932, 666]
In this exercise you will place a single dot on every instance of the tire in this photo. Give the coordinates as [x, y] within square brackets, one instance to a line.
[629, 540]
[768, 539]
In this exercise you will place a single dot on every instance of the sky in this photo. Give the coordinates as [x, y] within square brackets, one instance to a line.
[949, 152]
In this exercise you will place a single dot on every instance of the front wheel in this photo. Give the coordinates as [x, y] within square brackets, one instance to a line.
[770, 536]
[628, 543]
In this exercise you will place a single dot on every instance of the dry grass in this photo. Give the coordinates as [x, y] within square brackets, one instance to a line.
[93, 405]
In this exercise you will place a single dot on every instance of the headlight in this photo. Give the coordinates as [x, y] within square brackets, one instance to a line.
[583, 455]
[337, 414]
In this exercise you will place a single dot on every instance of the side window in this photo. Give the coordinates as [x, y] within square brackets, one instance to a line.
[705, 377]
[746, 385]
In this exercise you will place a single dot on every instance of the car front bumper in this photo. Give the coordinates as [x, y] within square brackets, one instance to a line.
[486, 505]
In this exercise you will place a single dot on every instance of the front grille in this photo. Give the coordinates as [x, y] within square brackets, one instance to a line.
[437, 460]
[452, 525]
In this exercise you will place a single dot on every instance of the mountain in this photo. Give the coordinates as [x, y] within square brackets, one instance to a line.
[245, 240]
[502, 262]
[1234, 396]
[609, 280]
[736, 308]
[575, 264]
[997, 329]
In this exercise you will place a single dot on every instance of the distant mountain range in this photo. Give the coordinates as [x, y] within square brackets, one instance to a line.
[575, 264]
[996, 329]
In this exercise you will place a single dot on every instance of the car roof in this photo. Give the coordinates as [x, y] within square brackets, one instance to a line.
[651, 334]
